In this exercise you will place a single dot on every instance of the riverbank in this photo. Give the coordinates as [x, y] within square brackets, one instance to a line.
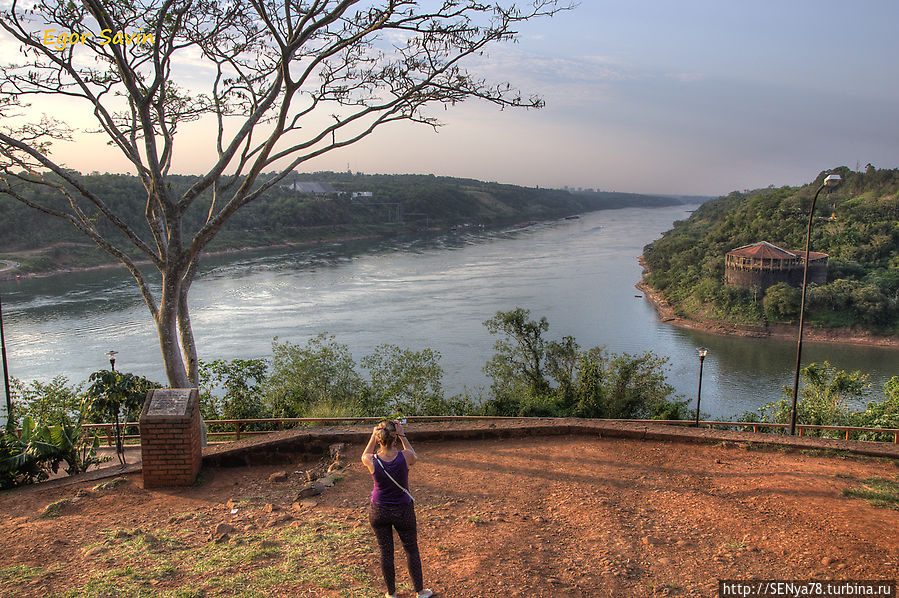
[846, 336]
[6, 265]
[12, 268]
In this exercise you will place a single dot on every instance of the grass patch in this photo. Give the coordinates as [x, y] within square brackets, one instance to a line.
[54, 509]
[314, 553]
[247, 502]
[736, 544]
[110, 484]
[822, 453]
[18, 574]
[826, 453]
[880, 492]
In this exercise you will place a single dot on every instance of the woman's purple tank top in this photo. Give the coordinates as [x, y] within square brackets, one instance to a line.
[385, 491]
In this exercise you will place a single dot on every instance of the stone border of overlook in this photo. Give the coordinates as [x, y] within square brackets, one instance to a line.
[314, 443]
[288, 445]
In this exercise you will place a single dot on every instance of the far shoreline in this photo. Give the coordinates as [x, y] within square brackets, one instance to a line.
[10, 272]
[843, 336]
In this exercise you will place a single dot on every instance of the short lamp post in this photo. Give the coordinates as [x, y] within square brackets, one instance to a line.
[111, 357]
[702, 353]
[831, 181]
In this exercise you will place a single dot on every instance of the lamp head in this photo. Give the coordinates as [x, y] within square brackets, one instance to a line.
[832, 180]
[702, 352]
[110, 355]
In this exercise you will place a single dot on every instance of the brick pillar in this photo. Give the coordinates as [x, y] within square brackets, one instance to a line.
[170, 437]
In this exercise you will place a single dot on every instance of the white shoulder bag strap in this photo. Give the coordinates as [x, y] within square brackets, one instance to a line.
[398, 485]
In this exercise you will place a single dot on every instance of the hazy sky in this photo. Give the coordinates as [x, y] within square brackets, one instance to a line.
[659, 96]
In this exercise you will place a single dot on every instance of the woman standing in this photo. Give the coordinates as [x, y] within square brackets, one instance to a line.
[392, 503]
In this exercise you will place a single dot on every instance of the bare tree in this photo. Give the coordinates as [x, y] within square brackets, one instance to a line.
[284, 80]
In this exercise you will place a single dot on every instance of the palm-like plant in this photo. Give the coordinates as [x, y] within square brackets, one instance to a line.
[39, 450]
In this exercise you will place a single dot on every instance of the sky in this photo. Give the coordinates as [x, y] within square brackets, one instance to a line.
[653, 96]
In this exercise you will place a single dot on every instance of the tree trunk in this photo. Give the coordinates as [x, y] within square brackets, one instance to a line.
[167, 328]
[188, 344]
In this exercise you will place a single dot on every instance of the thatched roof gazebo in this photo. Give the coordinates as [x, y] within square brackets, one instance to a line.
[761, 265]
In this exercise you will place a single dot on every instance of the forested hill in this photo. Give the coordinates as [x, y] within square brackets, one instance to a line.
[385, 204]
[857, 225]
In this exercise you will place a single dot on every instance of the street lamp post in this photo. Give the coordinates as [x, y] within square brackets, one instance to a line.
[831, 181]
[5, 370]
[702, 353]
[111, 356]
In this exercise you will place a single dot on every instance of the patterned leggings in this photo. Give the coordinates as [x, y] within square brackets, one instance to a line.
[383, 518]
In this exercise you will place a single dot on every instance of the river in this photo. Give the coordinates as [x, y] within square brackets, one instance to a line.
[434, 292]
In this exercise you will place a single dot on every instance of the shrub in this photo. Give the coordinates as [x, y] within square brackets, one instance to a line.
[242, 380]
[587, 383]
[781, 302]
[323, 371]
[49, 403]
[822, 399]
[406, 381]
[117, 396]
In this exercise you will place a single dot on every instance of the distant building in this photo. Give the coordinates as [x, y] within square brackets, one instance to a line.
[312, 188]
[761, 265]
[362, 194]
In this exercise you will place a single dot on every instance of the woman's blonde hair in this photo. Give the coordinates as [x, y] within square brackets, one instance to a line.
[386, 435]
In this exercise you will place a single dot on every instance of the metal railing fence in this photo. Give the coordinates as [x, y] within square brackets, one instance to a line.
[228, 430]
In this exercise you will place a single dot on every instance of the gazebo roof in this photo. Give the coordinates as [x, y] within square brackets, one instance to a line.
[813, 255]
[764, 250]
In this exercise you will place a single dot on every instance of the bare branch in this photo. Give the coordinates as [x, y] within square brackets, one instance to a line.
[9, 144]
[82, 225]
[283, 81]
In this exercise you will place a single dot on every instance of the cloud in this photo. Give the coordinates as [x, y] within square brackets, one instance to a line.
[686, 77]
[563, 81]
[501, 62]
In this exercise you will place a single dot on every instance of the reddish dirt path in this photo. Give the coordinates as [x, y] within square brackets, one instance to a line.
[568, 516]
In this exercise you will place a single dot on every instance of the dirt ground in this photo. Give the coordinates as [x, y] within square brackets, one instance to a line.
[540, 517]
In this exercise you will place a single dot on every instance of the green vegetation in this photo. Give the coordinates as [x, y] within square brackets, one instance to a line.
[51, 434]
[531, 377]
[53, 415]
[48, 403]
[117, 397]
[38, 450]
[55, 508]
[857, 225]
[320, 379]
[19, 574]
[240, 379]
[409, 382]
[539, 378]
[284, 215]
[824, 398]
